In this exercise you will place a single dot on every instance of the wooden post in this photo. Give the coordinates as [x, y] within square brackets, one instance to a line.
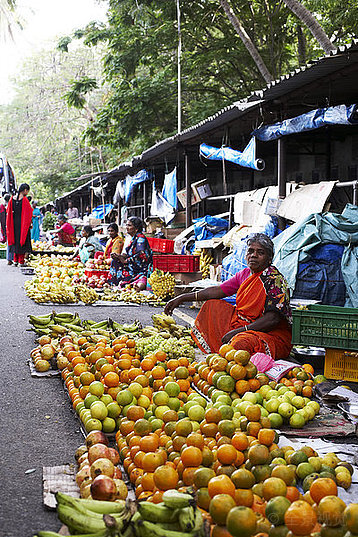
[145, 200]
[281, 167]
[188, 190]
[281, 175]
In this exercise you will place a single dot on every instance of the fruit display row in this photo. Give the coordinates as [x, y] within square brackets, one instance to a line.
[47, 246]
[221, 448]
[130, 295]
[59, 293]
[100, 263]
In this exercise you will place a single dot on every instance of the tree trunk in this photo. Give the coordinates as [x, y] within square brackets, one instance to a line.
[301, 45]
[312, 24]
[245, 38]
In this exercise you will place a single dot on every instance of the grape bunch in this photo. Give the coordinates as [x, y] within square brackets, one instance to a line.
[173, 347]
[162, 284]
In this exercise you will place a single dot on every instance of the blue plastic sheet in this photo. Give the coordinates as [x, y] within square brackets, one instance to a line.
[294, 246]
[133, 180]
[246, 158]
[210, 226]
[333, 115]
[98, 211]
[169, 191]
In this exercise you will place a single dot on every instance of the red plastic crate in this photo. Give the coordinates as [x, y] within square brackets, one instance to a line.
[98, 273]
[176, 263]
[164, 246]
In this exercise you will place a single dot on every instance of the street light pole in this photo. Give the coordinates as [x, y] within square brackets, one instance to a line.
[179, 67]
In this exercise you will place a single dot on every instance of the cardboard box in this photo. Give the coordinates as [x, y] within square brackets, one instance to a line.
[187, 277]
[182, 197]
[152, 223]
[202, 189]
[93, 222]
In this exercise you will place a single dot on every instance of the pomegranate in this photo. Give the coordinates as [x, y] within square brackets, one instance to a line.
[80, 451]
[84, 474]
[96, 437]
[102, 467]
[103, 488]
[98, 451]
[113, 455]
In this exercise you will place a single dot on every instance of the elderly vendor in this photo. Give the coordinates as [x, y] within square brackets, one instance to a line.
[260, 321]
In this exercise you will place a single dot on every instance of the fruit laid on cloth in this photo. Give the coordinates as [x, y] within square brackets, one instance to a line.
[86, 294]
[58, 293]
[162, 284]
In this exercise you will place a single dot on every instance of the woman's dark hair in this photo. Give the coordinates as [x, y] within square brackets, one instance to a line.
[264, 241]
[136, 222]
[88, 230]
[7, 197]
[23, 187]
[114, 227]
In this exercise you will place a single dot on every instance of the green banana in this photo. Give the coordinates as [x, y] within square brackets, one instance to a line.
[41, 319]
[177, 500]
[65, 315]
[102, 533]
[79, 522]
[97, 506]
[149, 529]
[58, 329]
[190, 519]
[73, 327]
[157, 512]
[101, 324]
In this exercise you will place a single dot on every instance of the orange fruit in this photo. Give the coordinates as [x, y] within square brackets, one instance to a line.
[266, 436]
[273, 486]
[330, 511]
[321, 487]
[240, 441]
[241, 522]
[300, 518]
[111, 379]
[351, 518]
[166, 477]
[220, 506]
[227, 454]
[191, 456]
[221, 484]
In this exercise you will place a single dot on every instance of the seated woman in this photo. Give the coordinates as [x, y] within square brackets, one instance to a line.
[66, 232]
[89, 245]
[131, 267]
[260, 321]
[115, 242]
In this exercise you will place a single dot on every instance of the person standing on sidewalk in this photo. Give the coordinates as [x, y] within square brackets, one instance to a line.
[18, 224]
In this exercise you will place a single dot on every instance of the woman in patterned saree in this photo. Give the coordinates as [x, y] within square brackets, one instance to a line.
[131, 267]
[260, 321]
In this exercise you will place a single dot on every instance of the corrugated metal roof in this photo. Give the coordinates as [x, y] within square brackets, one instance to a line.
[323, 66]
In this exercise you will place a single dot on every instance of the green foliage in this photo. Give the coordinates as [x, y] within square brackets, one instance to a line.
[79, 88]
[40, 135]
[49, 221]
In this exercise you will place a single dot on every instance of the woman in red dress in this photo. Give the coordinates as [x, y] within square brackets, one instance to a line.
[18, 224]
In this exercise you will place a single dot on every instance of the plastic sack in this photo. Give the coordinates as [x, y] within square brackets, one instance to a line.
[262, 361]
[210, 226]
[84, 255]
[169, 191]
[160, 207]
[235, 261]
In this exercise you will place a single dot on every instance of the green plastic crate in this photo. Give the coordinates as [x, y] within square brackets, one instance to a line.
[326, 326]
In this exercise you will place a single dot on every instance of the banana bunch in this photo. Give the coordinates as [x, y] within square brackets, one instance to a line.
[162, 284]
[130, 295]
[163, 322]
[91, 518]
[176, 516]
[86, 294]
[56, 292]
[206, 259]
[56, 324]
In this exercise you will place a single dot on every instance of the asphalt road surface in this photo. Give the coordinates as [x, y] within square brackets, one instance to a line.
[38, 427]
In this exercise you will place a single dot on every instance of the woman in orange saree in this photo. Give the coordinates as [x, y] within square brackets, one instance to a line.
[260, 321]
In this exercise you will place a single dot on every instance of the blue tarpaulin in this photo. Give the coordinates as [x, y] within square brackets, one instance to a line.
[294, 246]
[132, 180]
[246, 158]
[169, 191]
[98, 211]
[333, 115]
[210, 226]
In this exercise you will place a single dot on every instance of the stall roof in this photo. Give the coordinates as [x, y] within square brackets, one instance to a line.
[344, 56]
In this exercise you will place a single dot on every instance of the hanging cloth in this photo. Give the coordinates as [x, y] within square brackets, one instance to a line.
[246, 158]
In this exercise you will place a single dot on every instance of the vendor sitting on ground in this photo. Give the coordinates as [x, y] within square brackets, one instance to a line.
[260, 321]
[115, 242]
[66, 232]
[131, 267]
[89, 245]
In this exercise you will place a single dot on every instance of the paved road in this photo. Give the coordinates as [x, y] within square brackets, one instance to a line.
[38, 426]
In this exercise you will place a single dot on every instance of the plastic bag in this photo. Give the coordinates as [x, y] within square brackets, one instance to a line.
[84, 254]
[235, 261]
[210, 226]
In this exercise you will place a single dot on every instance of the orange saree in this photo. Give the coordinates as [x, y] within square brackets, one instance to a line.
[258, 293]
